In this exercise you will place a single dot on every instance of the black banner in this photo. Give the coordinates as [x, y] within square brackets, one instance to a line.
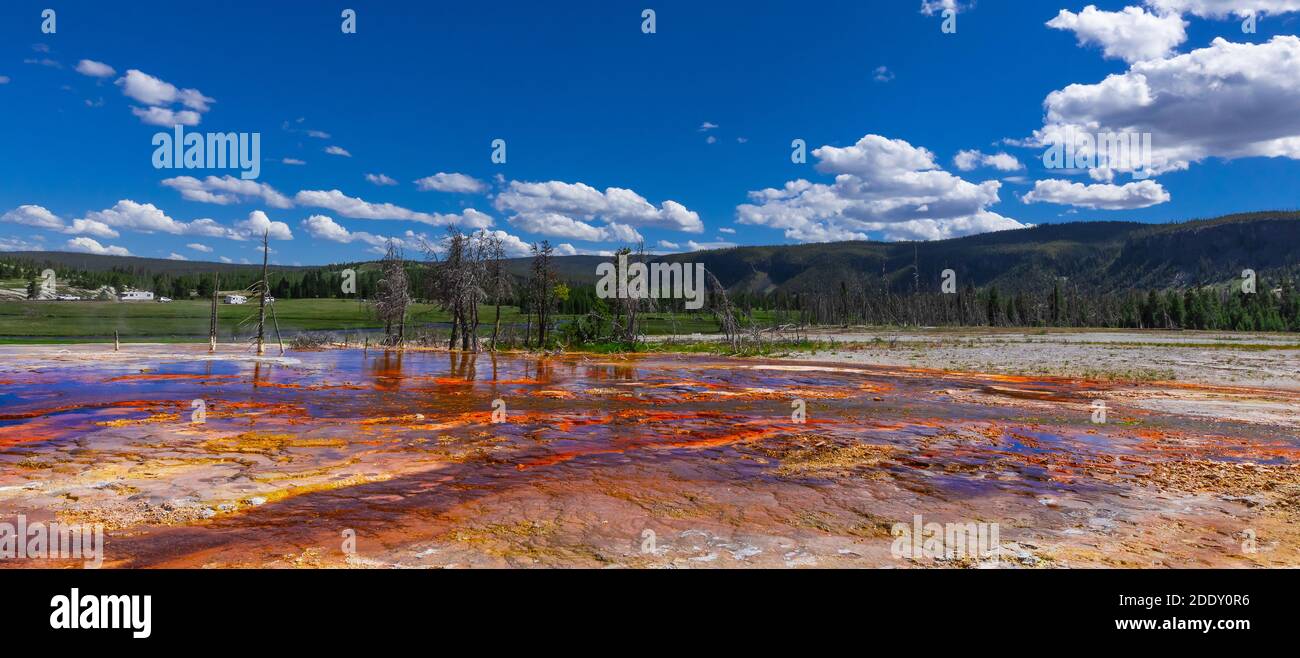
[1088, 607]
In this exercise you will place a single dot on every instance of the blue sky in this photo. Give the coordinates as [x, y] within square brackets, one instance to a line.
[681, 138]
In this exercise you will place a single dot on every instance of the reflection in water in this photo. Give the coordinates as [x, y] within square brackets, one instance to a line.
[462, 365]
[386, 369]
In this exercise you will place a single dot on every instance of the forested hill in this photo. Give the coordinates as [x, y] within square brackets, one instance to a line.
[131, 264]
[1097, 256]
[1091, 256]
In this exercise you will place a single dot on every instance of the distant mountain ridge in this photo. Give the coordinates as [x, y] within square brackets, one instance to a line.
[1101, 256]
[1104, 256]
[104, 263]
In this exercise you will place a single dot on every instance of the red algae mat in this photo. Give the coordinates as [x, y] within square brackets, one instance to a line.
[348, 458]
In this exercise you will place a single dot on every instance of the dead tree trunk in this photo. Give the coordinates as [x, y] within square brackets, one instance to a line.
[261, 309]
[212, 320]
[725, 313]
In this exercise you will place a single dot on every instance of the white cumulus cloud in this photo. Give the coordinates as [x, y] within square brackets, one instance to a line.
[974, 159]
[33, 216]
[258, 223]
[226, 190]
[932, 7]
[1225, 8]
[143, 217]
[571, 206]
[91, 246]
[325, 228]
[456, 183]
[91, 227]
[160, 96]
[1227, 100]
[95, 69]
[356, 208]
[1132, 34]
[130, 215]
[161, 116]
[1101, 196]
[41, 218]
[18, 244]
[562, 226]
[881, 185]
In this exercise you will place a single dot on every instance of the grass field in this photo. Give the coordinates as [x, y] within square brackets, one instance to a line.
[183, 321]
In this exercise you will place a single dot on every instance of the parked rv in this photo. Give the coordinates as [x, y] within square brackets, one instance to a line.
[135, 296]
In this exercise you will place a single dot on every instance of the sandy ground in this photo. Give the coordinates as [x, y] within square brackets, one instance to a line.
[1270, 361]
[1252, 360]
[350, 459]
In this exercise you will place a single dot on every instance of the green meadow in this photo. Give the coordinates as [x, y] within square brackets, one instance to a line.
[187, 320]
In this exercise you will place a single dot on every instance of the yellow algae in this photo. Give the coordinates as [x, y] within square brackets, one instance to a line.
[554, 394]
[266, 443]
[391, 420]
[530, 540]
[127, 422]
[809, 455]
[513, 532]
[674, 507]
[1230, 478]
[300, 475]
[298, 490]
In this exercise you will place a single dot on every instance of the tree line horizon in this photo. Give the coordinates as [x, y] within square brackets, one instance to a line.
[467, 269]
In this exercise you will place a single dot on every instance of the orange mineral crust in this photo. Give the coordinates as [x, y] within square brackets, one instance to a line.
[365, 458]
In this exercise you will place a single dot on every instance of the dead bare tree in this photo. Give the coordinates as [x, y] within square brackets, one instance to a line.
[542, 285]
[446, 280]
[457, 283]
[392, 296]
[473, 288]
[724, 312]
[498, 282]
[261, 289]
[627, 323]
[212, 320]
